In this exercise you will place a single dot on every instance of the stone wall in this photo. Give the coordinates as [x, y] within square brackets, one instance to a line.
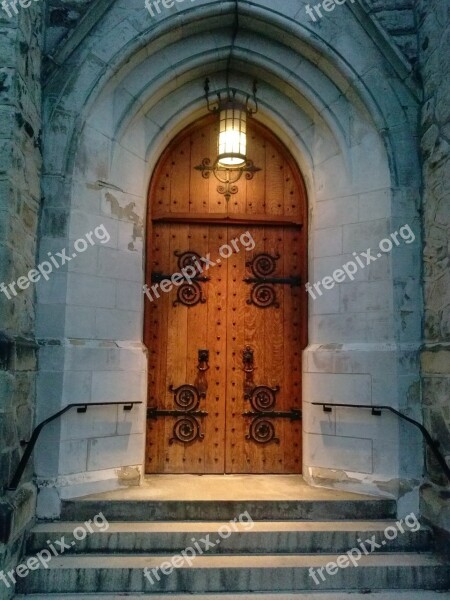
[20, 161]
[398, 19]
[434, 42]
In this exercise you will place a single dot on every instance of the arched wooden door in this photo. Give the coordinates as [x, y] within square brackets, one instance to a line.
[226, 312]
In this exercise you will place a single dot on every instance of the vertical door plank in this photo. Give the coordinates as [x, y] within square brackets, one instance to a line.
[197, 322]
[181, 177]
[199, 186]
[217, 345]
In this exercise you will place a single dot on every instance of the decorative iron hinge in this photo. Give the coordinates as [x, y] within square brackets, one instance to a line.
[263, 294]
[187, 400]
[263, 400]
[189, 293]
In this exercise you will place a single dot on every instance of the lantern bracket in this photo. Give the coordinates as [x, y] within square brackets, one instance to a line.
[229, 95]
[227, 176]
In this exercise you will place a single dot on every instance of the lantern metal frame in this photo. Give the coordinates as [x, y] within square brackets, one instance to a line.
[228, 176]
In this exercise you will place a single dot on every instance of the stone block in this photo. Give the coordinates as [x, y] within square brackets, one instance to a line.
[77, 387]
[79, 322]
[118, 324]
[50, 321]
[375, 205]
[131, 422]
[116, 387]
[338, 388]
[337, 211]
[129, 298]
[370, 296]
[98, 421]
[315, 420]
[90, 290]
[81, 357]
[359, 237]
[117, 451]
[334, 452]
[327, 242]
[73, 457]
[123, 265]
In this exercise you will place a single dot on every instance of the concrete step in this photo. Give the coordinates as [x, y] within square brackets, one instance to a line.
[259, 537]
[395, 595]
[236, 574]
[211, 510]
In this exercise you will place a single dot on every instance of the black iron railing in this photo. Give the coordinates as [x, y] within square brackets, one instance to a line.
[377, 410]
[81, 408]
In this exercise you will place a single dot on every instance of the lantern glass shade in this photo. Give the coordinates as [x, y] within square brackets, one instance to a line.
[232, 152]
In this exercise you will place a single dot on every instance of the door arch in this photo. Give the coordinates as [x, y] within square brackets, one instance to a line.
[225, 342]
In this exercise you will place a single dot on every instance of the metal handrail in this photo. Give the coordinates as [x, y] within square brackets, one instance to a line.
[376, 410]
[81, 408]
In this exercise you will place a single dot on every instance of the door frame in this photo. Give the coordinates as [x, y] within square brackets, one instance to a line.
[219, 219]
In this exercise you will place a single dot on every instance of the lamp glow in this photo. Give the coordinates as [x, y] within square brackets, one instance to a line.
[232, 144]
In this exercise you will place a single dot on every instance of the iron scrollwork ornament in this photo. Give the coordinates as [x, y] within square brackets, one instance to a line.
[263, 400]
[187, 428]
[189, 292]
[263, 294]
[187, 399]
[227, 176]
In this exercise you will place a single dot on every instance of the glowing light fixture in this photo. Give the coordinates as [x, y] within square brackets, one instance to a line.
[233, 112]
[233, 109]
[232, 151]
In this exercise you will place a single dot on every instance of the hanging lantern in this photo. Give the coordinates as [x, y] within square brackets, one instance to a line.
[232, 143]
[231, 162]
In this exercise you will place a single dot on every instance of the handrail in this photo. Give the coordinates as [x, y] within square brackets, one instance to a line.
[81, 408]
[376, 411]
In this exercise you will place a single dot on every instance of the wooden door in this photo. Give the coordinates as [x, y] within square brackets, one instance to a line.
[225, 344]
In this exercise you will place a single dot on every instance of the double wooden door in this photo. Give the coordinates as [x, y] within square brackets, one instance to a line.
[224, 349]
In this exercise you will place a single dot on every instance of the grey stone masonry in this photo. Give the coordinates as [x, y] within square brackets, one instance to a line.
[435, 131]
[20, 164]
[398, 19]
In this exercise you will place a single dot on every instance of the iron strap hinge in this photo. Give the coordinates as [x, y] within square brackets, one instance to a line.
[292, 281]
[158, 277]
[294, 415]
[154, 413]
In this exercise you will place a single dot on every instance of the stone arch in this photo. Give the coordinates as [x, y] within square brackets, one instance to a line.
[348, 121]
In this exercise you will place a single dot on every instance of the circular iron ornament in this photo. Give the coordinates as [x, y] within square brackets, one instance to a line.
[188, 259]
[186, 430]
[262, 431]
[263, 398]
[189, 294]
[263, 295]
[264, 265]
[187, 397]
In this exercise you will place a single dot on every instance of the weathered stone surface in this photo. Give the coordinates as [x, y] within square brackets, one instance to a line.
[20, 163]
[434, 44]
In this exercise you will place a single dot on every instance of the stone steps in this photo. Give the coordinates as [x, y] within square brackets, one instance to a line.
[395, 595]
[212, 510]
[236, 574]
[263, 537]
